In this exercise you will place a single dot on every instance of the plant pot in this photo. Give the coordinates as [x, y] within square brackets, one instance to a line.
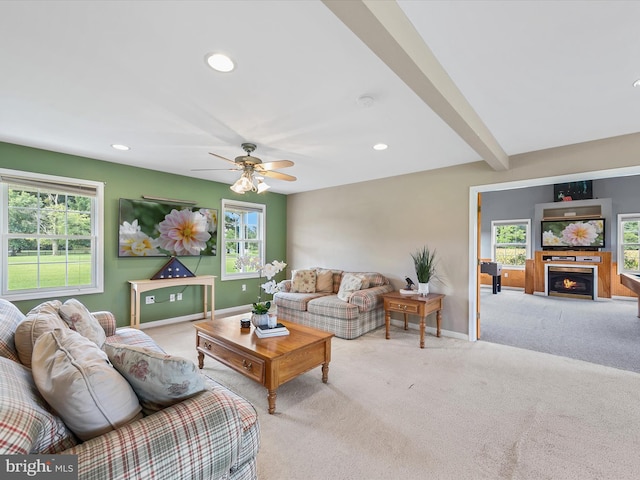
[423, 289]
[259, 319]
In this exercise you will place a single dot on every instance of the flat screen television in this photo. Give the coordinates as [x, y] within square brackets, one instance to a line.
[155, 229]
[574, 234]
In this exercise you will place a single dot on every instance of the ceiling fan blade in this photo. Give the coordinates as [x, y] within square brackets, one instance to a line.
[278, 175]
[277, 164]
[212, 169]
[223, 158]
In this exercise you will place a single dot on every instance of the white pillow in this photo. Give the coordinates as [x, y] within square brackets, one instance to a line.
[158, 379]
[80, 319]
[75, 377]
[303, 281]
[350, 283]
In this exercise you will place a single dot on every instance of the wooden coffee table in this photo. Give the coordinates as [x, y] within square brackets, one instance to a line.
[269, 361]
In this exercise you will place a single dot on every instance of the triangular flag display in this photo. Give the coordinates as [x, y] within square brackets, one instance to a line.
[173, 269]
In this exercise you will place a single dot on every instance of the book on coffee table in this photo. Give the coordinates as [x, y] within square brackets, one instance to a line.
[263, 331]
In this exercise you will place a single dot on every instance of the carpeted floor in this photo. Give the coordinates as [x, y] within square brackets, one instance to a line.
[606, 332]
[454, 410]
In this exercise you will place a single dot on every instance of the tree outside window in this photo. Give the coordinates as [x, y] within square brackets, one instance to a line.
[244, 241]
[629, 242]
[52, 246]
[511, 242]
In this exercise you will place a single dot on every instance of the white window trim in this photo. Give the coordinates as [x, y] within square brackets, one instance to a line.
[494, 223]
[98, 232]
[262, 231]
[621, 218]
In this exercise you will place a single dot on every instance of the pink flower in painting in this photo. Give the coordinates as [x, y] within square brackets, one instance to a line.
[184, 232]
[579, 234]
[140, 370]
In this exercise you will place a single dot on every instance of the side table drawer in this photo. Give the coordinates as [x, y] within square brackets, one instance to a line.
[402, 307]
[242, 362]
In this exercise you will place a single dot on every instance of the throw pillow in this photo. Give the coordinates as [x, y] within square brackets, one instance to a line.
[303, 281]
[39, 320]
[80, 319]
[350, 283]
[324, 280]
[158, 379]
[75, 377]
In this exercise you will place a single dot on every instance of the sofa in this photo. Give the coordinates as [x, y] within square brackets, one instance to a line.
[183, 426]
[347, 304]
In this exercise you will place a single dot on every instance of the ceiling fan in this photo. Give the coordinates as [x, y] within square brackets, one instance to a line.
[253, 170]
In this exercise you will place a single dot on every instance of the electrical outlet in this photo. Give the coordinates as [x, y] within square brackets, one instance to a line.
[172, 297]
[150, 299]
[179, 296]
[244, 287]
[506, 274]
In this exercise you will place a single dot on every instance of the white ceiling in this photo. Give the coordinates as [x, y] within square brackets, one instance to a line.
[76, 77]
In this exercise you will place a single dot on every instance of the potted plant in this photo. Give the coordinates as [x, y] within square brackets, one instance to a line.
[424, 261]
[260, 313]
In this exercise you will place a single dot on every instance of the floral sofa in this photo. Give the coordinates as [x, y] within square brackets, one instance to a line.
[63, 393]
[347, 304]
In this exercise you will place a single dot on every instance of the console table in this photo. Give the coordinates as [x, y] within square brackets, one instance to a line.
[146, 285]
[414, 305]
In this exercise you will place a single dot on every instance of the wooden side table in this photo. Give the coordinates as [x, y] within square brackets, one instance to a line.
[413, 305]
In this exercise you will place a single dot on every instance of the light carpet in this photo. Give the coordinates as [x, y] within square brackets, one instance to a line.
[453, 410]
[606, 331]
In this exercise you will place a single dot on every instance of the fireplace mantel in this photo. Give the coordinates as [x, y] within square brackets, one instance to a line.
[601, 259]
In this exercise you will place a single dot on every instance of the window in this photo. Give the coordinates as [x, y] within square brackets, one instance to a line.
[511, 242]
[51, 236]
[629, 242]
[244, 239]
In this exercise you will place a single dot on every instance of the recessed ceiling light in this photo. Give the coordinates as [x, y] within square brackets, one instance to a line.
[636, 83]
[220, 62]
[380, 146]
[117, 146]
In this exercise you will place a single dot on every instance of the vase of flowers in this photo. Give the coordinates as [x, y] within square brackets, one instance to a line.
[260, 309]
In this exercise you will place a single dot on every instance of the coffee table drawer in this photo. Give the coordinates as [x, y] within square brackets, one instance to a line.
[247, 364]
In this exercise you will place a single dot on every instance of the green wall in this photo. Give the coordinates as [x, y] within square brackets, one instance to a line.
[130, 182]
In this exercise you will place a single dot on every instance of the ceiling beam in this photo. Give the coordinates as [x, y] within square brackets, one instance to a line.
[386, 30]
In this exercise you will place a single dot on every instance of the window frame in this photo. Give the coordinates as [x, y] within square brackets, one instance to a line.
[261, 209]
[624, 217]
[520, 221]
[69, 186]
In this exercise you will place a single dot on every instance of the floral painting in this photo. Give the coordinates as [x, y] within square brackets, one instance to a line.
[577, 233]
[153, 229]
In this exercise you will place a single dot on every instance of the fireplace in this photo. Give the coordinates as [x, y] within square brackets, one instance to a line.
[572, 281]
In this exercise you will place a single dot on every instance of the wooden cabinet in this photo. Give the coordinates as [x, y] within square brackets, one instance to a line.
[601, 259]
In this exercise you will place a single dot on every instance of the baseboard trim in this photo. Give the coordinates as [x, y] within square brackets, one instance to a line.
[223, 312]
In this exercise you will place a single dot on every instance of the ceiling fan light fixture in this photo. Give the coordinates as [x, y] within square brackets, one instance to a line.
[636, 83]
[220, 62]
[262, 186]
[380, 146]
[119, 146]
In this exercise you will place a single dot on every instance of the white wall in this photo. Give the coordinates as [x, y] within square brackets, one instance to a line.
[374, 226]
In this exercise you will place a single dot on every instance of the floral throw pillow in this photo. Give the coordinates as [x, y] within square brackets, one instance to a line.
[158, 379]
[350, 283]
[80, 319]
[303, 281]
